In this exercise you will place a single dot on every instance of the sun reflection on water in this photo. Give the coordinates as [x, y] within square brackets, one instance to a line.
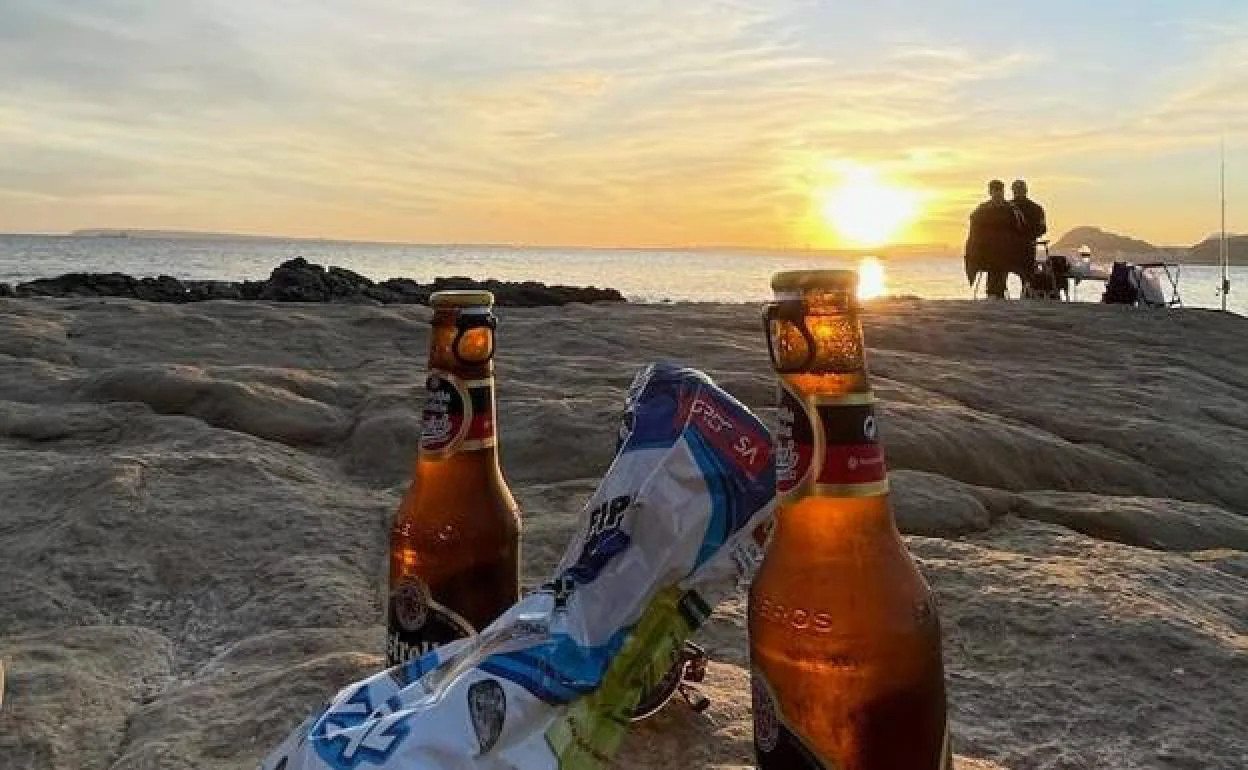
[871, 283]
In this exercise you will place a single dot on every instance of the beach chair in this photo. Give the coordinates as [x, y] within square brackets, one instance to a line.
[1154, 292]
[1122, 287]
[1142, 286]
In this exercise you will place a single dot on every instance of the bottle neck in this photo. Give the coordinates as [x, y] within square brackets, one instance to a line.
[830, 467]
[828, 443]
[459, 411]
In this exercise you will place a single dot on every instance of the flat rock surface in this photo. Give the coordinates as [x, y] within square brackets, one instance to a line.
[194, 500]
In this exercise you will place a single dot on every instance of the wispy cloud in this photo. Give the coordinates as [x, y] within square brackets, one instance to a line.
[542, 121]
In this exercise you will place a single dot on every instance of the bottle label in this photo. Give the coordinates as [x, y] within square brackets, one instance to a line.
[776, 745]
[853, 459]
[458, 415]
[828, 445]
[795, 444]
[417, 624]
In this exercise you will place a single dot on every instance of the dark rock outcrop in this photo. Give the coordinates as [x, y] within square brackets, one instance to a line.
[162, 288]
[403, 290]
[529, 293]
[298, 280]
[197, 291]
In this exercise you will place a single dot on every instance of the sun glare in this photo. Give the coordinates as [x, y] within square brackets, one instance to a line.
[864, 211]
[870, 278]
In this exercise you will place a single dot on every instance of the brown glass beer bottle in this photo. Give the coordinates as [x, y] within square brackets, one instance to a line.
[845, 646]
[455, 540]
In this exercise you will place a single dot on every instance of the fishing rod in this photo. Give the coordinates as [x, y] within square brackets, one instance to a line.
[1224, 255]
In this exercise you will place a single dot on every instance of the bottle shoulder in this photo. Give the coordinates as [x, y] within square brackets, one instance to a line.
[444, 499]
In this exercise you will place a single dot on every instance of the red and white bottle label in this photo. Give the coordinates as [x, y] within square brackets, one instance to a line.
[457, 415]
[828, 445]
[852, 454]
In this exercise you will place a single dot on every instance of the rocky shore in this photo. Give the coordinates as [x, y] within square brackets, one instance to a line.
[298, 280]
[195, 503]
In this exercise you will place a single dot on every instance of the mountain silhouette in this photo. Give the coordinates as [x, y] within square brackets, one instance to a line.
[1107, 245]
[1103, 242]
[1206, 252]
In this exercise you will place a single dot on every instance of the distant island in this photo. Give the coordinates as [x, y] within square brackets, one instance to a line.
[1206, 252]
[1102, 242]
[1108, 245]
[185, 234]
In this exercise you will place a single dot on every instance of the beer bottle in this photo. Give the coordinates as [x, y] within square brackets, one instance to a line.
[845, 648]
[455, 539]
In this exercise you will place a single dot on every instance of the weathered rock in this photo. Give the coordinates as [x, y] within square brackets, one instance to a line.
[403, 290]
[206, 290]
[80, 285]
[530, 293]
[195, 502]
[937, 506]
[266, 411]
[252, 289]
[164, 288]
[1146, 522]
[345, 283]
[298, 280]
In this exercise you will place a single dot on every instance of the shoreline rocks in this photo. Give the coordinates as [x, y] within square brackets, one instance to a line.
[298, 280]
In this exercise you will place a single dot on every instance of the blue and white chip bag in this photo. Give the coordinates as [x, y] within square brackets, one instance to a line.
[550, 684]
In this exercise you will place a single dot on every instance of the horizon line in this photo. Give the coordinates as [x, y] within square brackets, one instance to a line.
[896, 249]
[157, 233]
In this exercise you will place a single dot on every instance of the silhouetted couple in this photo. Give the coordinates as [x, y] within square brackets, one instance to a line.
[1002, 237]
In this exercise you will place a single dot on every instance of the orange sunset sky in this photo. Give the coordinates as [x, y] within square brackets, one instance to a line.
[785, 123]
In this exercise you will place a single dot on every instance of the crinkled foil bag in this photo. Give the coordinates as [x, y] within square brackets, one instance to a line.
[551, 683]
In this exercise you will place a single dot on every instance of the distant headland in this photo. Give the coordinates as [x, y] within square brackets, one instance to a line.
[200, 235]
[1108, 245]
[187, 234]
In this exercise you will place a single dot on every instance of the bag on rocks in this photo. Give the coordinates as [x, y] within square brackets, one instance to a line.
[551, 683]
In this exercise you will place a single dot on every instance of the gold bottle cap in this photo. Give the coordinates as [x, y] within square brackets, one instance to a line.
[462, 298]
[827, 280]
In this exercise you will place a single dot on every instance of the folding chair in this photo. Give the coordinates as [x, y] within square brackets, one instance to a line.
[1152, 293]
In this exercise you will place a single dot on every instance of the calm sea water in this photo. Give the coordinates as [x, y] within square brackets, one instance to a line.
[642, 275]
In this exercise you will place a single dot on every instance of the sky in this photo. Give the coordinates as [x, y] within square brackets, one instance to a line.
[603, 123]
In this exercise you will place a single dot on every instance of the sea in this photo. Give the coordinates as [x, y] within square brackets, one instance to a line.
[642, 275]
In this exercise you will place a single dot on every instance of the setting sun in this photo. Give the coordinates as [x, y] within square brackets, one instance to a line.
[864, 211]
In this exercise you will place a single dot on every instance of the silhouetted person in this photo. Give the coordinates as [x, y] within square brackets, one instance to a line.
[1032, 227]
[992, 243]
